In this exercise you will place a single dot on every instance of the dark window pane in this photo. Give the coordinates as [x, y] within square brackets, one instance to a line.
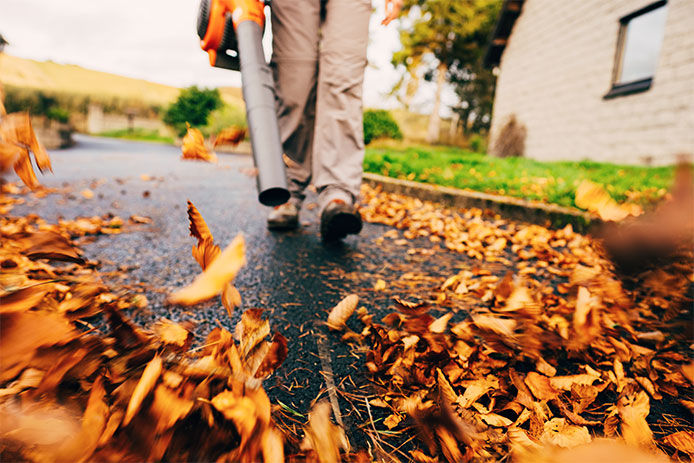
[644, 36]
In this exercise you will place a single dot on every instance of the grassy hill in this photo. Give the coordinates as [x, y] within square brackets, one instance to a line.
[75, 80]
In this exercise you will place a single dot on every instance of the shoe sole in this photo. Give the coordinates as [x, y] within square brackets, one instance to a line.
[283, 226]
[340, 225]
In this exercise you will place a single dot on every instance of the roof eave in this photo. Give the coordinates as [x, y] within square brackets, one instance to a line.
[510, 11]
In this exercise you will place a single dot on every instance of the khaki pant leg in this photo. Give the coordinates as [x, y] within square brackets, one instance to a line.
[339, 142]
[295, 29]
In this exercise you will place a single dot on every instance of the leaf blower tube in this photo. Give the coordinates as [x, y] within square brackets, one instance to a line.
[231, 31]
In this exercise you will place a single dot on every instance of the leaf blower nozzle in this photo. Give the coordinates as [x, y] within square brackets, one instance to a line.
[231, 32]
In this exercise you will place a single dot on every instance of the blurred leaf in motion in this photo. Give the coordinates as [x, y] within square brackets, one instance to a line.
[213, 279]
[17, 141]
[193, 146]
[230, 136]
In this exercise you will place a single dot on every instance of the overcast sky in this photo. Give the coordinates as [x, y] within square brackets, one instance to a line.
[151, 39]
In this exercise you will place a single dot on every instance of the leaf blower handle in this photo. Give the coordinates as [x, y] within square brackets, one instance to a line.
[231, 32]
[259, 95]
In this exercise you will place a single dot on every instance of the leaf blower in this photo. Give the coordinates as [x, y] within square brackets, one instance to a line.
[231, 33]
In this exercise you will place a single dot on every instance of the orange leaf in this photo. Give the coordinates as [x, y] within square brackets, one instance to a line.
[274, 357]
[198, 226]
[342, 311]
[230, 136]
[213, 279]
[193, 146]
[171, 333]
[144, 386]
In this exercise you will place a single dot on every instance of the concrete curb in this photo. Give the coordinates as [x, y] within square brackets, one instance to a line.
[547, 215]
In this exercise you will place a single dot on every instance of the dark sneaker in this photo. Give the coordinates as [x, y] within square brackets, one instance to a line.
[283, 217]
[338, 220]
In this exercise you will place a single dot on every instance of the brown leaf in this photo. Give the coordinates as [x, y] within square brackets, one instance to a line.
[198, 226]
[252, 330]
[230, 136]
[325, 438]
[558, 432]
[498, 325]
[144, 387]
[168, 407]
[46, 245]
[540, 386]
[81, 446]
[565, 383]
[593, 197]
[24, 332]
[392, 420]
[231, 298]
[633, 407]
[439, 325]
[193, 146]
[274, 357]
[213, 279]
[23, 299]
[171, 333]
[342, 311]
[683, 441]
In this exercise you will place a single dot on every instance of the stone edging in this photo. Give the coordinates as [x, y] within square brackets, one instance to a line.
[510, 208]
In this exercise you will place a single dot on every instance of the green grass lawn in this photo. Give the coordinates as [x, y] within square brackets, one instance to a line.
[551, 182]
[138, 134]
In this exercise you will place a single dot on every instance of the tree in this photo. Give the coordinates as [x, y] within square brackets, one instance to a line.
[449, 31]
[193, 105]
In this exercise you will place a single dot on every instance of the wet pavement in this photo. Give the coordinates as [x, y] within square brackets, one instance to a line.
[294, 276]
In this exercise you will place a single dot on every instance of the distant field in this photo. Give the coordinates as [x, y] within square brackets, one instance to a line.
[72, 79]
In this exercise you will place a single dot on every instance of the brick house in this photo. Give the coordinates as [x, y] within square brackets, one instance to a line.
[595, 79]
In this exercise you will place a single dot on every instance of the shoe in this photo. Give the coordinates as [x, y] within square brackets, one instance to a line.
[283, 217]
[338, 220]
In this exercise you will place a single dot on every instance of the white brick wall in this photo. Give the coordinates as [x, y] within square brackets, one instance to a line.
[558, 65]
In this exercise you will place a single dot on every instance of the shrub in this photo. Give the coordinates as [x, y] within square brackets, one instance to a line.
[511, 139]
[477, 144]
[36, 103]
[193, 105]
[378, 123]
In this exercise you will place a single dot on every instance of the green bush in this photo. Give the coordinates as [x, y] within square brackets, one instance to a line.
[477, 144]
[193, 105]
[378, 123]
[36, 103]
[58, 114]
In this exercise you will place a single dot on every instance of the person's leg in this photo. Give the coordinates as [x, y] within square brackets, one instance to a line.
[338, 147]
[295, 29]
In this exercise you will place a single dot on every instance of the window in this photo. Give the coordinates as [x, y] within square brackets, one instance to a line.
[638, 49]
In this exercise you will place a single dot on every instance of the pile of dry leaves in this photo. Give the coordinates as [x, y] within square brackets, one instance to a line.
[74, 392]
[558, 356]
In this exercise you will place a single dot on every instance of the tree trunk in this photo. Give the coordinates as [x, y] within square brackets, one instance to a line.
[435, 120]
[453, 128]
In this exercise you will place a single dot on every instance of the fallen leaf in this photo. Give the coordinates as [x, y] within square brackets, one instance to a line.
[171, 333]
[633, 407]
[325, 438]
[274, 357]
[558, 432]
[392, 420]
[342, 311]
[144, 387]
[440, 324]
[683, 441]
